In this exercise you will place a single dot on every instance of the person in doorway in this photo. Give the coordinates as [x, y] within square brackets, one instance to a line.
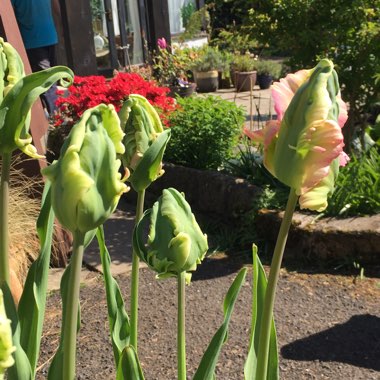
[39, 34]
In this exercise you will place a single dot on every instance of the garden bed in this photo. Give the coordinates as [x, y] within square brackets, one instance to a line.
[228, 198]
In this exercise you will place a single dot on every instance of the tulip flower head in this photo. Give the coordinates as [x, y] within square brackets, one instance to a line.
[6, 345]
[161, 43]
[175, 243]
[303, 148]
[18, 92]
[86, 183]
[145, 141]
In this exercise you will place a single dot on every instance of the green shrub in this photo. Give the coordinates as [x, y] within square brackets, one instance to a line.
[269, 67]
[244, 63]
[209, 59]
[204, 132]
[357, 187]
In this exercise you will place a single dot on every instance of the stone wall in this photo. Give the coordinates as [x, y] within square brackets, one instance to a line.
[224, 197]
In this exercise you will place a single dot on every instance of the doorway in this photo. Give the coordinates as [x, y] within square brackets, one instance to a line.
[118, 36]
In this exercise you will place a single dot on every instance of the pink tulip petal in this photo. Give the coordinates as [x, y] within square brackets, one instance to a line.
[316, 198]
[322, 143]
[284, 90]
[343, 114]
[267, 137]
[343, 159]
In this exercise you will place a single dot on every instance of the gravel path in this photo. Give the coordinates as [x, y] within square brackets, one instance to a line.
[328, 325]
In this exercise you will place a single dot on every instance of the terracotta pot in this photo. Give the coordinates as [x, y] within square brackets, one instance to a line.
[207, 81]
[245, 80]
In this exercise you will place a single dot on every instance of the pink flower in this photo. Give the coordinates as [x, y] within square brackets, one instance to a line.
[161, 43]
[303, 148]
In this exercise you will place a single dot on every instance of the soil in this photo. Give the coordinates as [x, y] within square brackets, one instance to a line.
[328, 325]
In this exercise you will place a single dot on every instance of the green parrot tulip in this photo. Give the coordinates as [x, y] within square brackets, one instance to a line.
[18, 92]
[6, 345]
[176, 243]
[145, 141]
[86, 183]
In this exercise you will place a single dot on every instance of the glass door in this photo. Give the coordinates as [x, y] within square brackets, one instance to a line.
[117, 34]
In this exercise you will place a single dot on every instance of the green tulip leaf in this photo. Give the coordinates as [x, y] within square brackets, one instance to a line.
[21, 369]
[206, 369]
[117, 315]
[15, 107]
[56, 367]
[31, 309]
[129, 366]
[258, 298]
[148, 168]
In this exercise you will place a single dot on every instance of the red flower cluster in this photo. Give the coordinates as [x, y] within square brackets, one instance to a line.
[87, 92]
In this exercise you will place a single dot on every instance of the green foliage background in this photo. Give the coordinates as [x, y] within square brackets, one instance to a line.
[348, 32]
[205, 130]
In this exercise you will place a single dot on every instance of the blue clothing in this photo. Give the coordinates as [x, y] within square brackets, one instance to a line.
[36, 23]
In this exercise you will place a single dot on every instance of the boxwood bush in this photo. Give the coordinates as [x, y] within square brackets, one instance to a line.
[205, 131]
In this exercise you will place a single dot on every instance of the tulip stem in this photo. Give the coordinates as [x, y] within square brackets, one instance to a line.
[135, 275]
[266, 322]
[181, 332]
[72, 305]
[4, 233]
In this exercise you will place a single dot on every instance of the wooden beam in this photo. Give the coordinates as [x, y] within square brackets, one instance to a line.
[78, 36]
[158, 19]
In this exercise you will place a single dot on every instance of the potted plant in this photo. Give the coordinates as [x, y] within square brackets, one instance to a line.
[206, 69]
[170, 68]
[244, 71]
[267, 71]
[225, 70]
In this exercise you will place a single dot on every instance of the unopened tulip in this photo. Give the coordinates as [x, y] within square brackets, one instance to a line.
[176, 243]
[145, 141]
[86, 183]
[161, 42]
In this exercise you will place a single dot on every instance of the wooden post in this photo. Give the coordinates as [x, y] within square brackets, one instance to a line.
[78, 36]
[158, 19]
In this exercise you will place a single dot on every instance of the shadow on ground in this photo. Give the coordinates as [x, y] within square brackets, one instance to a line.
[355, 342]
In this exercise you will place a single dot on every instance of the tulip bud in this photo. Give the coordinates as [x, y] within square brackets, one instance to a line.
[86, 183]
[161, 42]
[145, 141]
[6, 345]
[17, 95]
[175, 242]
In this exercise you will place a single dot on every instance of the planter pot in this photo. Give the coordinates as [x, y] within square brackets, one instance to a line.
[245, 80]
[224, 83]
[233, 76]
[182, 91]
[264, 81]
[207, 81]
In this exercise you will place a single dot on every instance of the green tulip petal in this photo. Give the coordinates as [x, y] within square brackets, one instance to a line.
[86, 183]
[16, 105]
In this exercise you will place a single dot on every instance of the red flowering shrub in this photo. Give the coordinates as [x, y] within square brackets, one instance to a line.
[87, 92]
